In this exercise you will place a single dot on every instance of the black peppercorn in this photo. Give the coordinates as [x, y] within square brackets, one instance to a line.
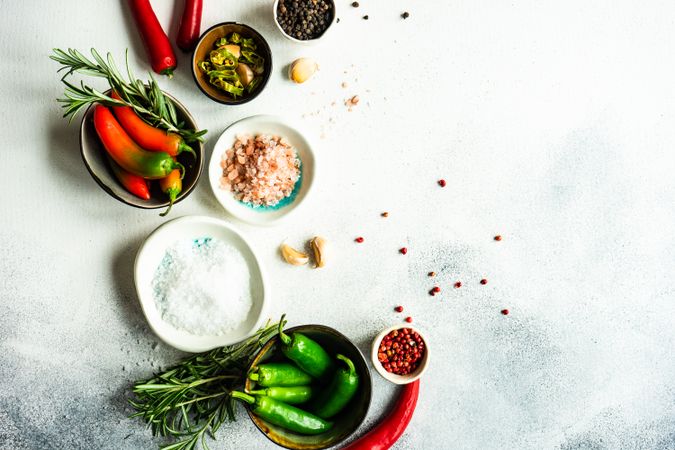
[355, 4]
[365, 17]
[405, 15]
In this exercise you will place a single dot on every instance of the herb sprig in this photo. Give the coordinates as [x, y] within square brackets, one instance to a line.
[192, 399]
[146, 99]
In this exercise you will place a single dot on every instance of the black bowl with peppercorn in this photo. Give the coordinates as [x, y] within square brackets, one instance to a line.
[304, 21]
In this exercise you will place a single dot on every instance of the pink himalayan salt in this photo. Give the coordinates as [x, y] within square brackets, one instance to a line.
[261, 170]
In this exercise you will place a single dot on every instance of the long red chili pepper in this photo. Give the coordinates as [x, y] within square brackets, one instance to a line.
[126, 153]
[172, 186]
[132, 183]
[147, 136]
[387, 432]
[190, 23]
[160, 52]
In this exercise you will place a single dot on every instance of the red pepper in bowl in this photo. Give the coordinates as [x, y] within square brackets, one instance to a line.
[125, 152]
[147, 136]
[132, 183]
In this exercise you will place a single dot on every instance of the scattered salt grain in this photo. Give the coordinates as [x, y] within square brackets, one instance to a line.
[203, 286]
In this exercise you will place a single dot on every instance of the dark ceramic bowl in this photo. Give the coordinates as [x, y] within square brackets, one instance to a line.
[96, 161]
[204, 47]
[348, 421]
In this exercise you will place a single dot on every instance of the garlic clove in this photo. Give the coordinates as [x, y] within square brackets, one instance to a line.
[293, 256]
[302, 70]
[318, 245]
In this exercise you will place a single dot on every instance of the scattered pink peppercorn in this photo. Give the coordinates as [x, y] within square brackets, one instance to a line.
[505, 312]
[458, 284]
[498, 237]
[436, 289]
[398, 309]
[483, 281]
[432, 274]
[403, 250]
[441, 183]
[359, 239]
[408, 319]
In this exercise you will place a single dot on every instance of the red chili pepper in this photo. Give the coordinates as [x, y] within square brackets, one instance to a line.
[171, 186]
[157, 45]
[126, 153]
[147, 136]
[190, 23]
[132, 183]
[390, 429]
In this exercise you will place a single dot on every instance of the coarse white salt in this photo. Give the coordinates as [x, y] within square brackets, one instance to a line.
[203, 286]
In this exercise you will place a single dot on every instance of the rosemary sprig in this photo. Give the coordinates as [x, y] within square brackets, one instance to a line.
[192, 399]
[146, 99]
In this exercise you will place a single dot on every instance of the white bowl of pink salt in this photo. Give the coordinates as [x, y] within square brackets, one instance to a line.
[262, 169]
[200, 284]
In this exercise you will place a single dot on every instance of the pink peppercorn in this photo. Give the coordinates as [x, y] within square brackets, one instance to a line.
[505, 312]
[408, 319]
[483, 281]
[398, 309]
[441, 183]
[458, 284]
[359, 239]
[436, 289]
[403, 250]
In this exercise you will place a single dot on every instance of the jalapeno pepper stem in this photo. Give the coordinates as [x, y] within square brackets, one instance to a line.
[286, 339]
[183, 147]
[172, 198]
[243, 397]
[347, 361]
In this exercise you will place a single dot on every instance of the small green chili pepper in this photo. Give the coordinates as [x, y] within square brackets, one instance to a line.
[286, 416]
[306, 353]
[293, 395]
[279, 374]
[339, 392]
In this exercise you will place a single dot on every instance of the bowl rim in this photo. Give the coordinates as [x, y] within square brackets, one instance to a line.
[321, 328]
[307, 41]
[146, 303]
[392, 377]
[200, 149]
[266, 77]
[215, 157]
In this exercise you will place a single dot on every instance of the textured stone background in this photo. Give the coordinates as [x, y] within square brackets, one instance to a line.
[553, 123]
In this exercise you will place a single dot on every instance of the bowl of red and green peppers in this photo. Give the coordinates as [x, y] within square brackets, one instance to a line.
[231, 63]
[308, 388]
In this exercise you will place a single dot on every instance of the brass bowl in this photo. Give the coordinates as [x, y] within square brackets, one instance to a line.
[204, 47]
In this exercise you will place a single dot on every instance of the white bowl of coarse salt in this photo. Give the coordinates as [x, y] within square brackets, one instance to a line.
[200, 284]
[275, 161]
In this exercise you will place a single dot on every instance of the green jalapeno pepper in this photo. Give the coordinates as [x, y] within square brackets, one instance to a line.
[339, 392]
[279, 374]
[292, 395]
[306, 353]
[286, 416]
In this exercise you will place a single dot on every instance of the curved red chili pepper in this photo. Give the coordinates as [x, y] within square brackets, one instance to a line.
[126, 153]
[147, 136]
[160, 52]
[387, 432]
[132, 183]
[190, 23]
[171, 185]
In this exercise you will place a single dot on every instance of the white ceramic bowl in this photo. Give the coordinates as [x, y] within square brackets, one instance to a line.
[149, 258]
[252, 126]
[399, 379]
[300, 41]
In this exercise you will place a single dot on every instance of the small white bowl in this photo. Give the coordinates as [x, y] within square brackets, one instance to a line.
[399, 379]
[254, 125]
[308, 41]
[149, 258]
